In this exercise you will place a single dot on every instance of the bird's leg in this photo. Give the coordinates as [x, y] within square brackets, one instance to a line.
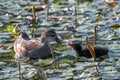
[53, 56]
[77, 57]
[19, 66]
[55, 62]
[33, 30]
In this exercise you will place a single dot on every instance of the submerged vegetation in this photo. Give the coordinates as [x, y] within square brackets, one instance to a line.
[88, 22]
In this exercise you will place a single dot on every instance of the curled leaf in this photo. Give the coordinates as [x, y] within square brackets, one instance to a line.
[91, 49]
[111, 4]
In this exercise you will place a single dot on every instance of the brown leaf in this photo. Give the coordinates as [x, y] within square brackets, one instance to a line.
[112, 4]
[2, 46]
[91, 49]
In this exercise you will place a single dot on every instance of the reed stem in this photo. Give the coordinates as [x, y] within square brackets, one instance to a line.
[47, 12]
[95, 35]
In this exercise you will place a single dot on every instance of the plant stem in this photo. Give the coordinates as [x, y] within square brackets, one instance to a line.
[33, 11]
[55, 62]
[95, 35]
[92, 53]
[96, 66]
[47, 12]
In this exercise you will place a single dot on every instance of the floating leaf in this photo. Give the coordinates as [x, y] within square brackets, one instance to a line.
[3, 63]
[37, 8]
[115, 26]
[71, 78]
[68, 62]
[104, 56]
[58, 3]
[2, 46]
[98, 17]
[86, 0]
[112, 4]
[43, 62]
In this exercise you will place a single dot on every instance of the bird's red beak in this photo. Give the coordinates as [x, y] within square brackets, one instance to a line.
[71, 44]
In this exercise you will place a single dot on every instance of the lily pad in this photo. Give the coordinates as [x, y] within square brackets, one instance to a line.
[2, 63]
[43, 62]
[115, 26]
[4, 51]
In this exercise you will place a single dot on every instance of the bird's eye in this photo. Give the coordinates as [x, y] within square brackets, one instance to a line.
[52, 35]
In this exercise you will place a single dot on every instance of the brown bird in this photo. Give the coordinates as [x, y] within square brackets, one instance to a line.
[33, 48]
[84, 52]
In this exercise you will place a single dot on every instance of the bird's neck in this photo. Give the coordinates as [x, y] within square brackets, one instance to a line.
[44, 39]
[79, 50]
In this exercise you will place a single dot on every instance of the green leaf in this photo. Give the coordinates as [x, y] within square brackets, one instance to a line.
[33, 11]
[68, 62]
[98, 18]
[115, 26]
[11, 28]
[12, 53]
[58, 3]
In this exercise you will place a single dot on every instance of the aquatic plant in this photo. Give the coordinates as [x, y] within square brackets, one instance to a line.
[91, 49]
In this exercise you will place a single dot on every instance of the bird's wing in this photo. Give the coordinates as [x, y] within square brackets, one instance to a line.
[21, 45]
[31, 45]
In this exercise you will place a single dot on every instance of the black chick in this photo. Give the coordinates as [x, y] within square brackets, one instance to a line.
[99, 51]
